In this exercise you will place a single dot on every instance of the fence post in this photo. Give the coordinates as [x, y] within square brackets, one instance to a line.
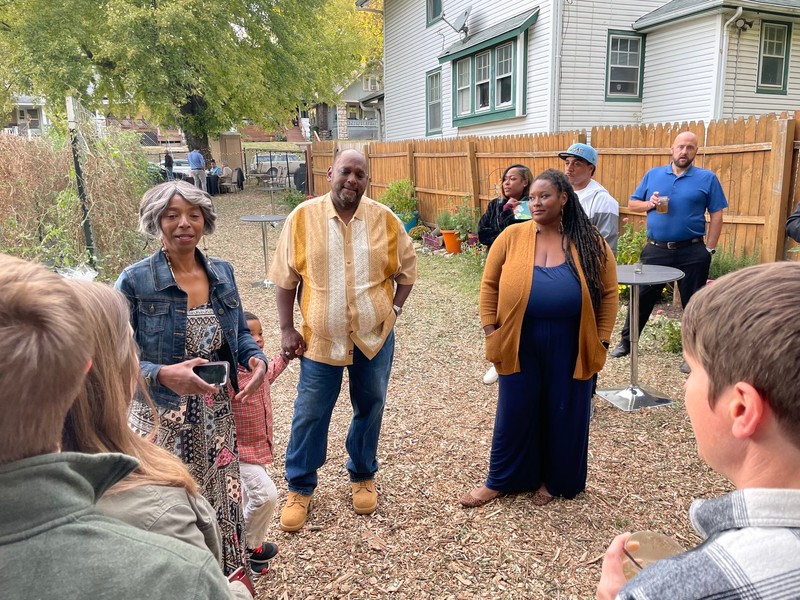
[365, 152]
[780, 168]
[412, 177]
[310, 188]
[473, 173]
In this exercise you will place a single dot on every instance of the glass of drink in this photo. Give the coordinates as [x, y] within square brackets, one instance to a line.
[663, 204]
[644, 548]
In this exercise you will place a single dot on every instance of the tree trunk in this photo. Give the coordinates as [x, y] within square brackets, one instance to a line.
[194, 141]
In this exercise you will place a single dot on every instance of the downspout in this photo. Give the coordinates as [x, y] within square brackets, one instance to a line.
[555, 96]
[723, 64]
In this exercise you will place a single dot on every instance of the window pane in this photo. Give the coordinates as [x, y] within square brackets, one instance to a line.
[434, 9]
[435, 116]
[482, 96]
[504, 59]
[464, 104]
[503, 91]
[624, 60]
[772, 72]
[434, 102]
[434, 87]
[482, 67]
[773, 55]
[462, 73]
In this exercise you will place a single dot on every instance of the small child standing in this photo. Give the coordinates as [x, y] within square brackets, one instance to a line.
[253, 418]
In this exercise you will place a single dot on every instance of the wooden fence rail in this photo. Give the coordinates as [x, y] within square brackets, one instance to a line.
[756, 159]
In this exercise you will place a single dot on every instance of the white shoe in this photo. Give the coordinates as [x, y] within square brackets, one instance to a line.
[491, 376]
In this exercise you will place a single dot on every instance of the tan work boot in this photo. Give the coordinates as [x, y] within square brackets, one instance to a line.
[294, 512]
[365, 497]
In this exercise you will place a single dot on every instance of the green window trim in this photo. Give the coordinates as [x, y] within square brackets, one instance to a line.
[761, 87]
[428, 77]
[430, 7]
[616, 34]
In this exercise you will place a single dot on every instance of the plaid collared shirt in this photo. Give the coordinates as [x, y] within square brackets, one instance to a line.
[751, 550]
[346, 275]
[253, 417]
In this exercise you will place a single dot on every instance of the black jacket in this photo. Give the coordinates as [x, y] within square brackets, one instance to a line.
[494, 220]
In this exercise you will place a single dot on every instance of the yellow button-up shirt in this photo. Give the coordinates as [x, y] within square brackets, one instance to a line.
[346, 274]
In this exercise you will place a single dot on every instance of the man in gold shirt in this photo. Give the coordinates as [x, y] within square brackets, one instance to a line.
[354, 266]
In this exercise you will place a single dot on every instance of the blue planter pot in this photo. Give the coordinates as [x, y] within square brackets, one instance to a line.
[412, 222]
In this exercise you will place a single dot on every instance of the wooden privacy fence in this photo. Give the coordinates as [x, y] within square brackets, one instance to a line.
[756, 160]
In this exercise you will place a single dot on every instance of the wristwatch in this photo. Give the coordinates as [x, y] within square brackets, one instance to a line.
[398, 310]
[711, 250]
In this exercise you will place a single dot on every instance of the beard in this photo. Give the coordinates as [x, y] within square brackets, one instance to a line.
[683, 163]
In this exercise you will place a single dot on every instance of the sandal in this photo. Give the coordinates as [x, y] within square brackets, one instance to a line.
[470, 501]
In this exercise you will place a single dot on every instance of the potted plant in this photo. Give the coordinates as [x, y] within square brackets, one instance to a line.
[447, 225]
[399, 196]
[466, 219]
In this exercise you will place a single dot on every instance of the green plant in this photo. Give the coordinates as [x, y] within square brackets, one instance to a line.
[724, 262]
[664, 332]
[417, 231]
[293, 198]
[631, 243]
[399, 196]
[446, 221]
[466, 218]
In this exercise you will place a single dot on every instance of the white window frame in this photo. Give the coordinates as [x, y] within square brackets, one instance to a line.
[637, 66]
[499, 77]
[483, 81]
[766, 53]
[463, 86]
[433, 98]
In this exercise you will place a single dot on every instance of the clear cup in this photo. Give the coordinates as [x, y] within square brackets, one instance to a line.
[663, 204]
[644, 548]
[637, 268]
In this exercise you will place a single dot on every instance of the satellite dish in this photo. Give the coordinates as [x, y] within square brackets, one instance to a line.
[459, 24]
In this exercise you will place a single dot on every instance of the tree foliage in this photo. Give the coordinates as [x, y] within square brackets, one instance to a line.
[199, 64]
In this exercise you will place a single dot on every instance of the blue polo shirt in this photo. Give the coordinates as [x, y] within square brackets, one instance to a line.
[690, 196]
[196, 161]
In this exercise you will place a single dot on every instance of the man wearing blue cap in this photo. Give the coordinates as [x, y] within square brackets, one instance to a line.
[580, 161]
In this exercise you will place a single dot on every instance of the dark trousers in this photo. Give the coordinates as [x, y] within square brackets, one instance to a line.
[694, 260]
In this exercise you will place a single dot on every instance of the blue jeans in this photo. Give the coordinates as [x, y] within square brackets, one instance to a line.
[317, 392]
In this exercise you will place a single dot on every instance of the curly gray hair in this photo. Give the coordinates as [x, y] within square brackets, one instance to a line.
[157, 198]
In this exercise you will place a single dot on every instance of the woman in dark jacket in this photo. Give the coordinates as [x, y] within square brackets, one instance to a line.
[185, 311]
[516, 182]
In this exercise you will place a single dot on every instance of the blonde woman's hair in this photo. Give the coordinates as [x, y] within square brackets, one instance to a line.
[98, 419]
[44, 357]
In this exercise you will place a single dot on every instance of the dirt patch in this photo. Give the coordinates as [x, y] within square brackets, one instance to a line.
[643, 467]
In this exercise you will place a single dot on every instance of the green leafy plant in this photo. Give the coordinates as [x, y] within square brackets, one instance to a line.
[724, 262]
[293, 198]
[399, 196]
[417, 231]
[466, 218]
[664, 332]
[446, 221]
[631, 243]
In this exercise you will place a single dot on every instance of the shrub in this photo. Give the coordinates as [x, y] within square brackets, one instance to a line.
[466, 218]
[724, 262]
[631, 243]
[664, 332]
[293, 198]
[446, 221]
[399, 196]
[417, 231]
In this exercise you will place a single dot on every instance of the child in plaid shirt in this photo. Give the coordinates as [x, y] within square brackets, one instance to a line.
[253, 418]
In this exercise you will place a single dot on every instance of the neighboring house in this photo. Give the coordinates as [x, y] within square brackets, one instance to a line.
[526, 66]
[351, 118]
[27, 118]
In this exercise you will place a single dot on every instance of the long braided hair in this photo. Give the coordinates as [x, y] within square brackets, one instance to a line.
[578, 230]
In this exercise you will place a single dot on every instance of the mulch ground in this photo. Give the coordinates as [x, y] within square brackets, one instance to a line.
[435, 443]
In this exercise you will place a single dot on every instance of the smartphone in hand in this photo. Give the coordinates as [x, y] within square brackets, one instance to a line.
[215, 373]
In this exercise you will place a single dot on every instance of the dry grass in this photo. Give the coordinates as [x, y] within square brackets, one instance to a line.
[643, 468]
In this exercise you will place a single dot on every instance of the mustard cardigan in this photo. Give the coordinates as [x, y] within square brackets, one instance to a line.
[505, 289]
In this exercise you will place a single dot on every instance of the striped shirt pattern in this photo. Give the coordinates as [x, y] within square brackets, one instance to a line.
[346, 275]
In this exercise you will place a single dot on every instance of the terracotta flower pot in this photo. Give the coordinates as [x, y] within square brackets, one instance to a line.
[452, 243]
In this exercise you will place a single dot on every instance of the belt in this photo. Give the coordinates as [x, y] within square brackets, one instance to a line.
[675, 245]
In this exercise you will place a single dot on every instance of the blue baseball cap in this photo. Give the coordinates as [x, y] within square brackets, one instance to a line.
[584, 151]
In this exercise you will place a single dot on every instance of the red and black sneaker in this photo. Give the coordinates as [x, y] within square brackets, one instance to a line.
[260, 557]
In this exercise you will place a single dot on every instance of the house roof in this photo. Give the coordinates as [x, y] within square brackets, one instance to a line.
[373, 96]
[681, 9]
[491, 35]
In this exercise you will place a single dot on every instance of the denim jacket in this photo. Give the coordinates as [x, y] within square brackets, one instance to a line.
[158, 317]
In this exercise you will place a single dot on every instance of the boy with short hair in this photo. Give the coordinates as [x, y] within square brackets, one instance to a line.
[253, 418]
[741, 337]
[47, 497]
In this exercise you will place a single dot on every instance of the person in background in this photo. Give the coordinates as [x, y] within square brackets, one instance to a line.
[675, 238]
[515, 183]
[212, 179]
[168, 165]
[197, 164]
[160, 494]
[47, 496]
[254, 438]
[744, 406]
[350, 264]
[793, 225]
[548, 303]
[185, 311]
[215, 169]
[580, 162]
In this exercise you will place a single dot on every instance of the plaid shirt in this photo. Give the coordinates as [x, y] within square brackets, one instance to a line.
[751, 550]
[253, 417]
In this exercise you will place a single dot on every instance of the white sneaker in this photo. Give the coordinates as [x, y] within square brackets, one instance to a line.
[491, 376]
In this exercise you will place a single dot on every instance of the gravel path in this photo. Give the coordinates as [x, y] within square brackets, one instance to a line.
[643, 467]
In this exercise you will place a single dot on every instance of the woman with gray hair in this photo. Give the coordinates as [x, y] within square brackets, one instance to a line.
[185, 311]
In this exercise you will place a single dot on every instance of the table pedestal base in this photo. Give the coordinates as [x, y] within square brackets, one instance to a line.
[634, 397]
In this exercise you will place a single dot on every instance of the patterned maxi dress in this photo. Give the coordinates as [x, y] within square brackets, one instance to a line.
[202, 434]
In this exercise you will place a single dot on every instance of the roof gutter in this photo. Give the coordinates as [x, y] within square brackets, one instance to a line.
[722, 68]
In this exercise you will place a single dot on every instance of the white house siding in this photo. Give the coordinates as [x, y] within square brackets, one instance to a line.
[585, 25]
[411, 50]
[680, 70]
[743, 66]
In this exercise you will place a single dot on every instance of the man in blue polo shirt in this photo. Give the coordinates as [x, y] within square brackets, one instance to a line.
[675, 238]
[198, 166]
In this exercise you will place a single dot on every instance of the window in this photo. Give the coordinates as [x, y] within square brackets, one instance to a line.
[433, 93]
[434, 11]
[488, 71]
[773, 57]
[352, 111]
[624, 66]
[504, 64]
[369, 84]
